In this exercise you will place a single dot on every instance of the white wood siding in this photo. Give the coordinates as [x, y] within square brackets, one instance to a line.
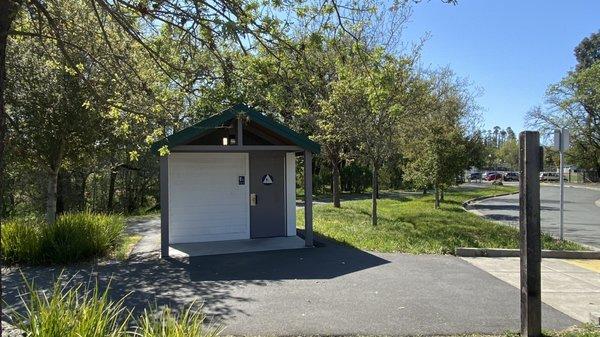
[205, 201]
[290, 194]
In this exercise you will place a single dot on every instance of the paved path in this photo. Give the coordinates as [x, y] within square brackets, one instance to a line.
[582, 214]
[572, 287]
[330, 290]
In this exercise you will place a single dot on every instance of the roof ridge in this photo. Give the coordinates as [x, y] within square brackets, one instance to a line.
[199, 128]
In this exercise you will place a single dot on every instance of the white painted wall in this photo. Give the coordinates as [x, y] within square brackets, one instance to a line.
[290, 192]
[205, 201]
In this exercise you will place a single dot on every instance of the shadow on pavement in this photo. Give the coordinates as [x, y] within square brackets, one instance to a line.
[211, 280]
[329, 261]
[502, 217]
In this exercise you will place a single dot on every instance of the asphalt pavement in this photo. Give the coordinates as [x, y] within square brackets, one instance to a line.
[581, 217]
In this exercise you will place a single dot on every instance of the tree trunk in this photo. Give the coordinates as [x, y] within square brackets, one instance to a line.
[111, 190]
[374, 183]
[51, 194]
[441, 194]
[8, 11]
[335, 184]
[437, 197]
[376, 187]
[81, 202]
[127, 200]
[61, 192]
[129, 192]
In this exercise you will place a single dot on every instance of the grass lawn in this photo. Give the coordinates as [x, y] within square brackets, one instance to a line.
[409, 223]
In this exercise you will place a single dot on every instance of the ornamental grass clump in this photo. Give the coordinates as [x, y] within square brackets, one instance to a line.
[21, 241]
[80, 236]
[164, 322]
[73, 237]
[72, 311]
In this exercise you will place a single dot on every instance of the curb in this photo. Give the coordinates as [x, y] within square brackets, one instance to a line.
[470, 201]
[549, 254]
[595, 318]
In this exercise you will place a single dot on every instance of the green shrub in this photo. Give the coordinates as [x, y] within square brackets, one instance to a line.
[165, 323]
[72, 312]
[71, 238]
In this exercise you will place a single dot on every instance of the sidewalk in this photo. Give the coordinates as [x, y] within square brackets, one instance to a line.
[570, 286]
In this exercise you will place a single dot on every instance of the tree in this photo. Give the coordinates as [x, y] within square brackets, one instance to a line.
[125, 105]
[390, 96]
[433, 141]
[215, 26]
[475, 147]
[510, 134]
[508, 153]
[497, 135]
[143, 66]
[8, 10]
[50, 109]
[371, 95]
[574, 103]
[587, 51]
[297, 88]
[502, 137]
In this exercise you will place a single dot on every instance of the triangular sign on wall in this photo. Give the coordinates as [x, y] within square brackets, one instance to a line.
[267, 179]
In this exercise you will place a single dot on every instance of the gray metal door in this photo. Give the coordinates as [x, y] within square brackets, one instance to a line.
[267, 194]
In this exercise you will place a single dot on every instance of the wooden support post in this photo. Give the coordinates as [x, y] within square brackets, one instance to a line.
[240, 132]
[529, 221]
[164, 207]
[308, 200]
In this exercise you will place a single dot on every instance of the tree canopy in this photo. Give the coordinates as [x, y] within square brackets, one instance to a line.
[91, 84]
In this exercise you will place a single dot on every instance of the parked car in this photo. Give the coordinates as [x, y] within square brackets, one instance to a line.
[491, 176]
[549, 176]
[511, 176]
[475, 176]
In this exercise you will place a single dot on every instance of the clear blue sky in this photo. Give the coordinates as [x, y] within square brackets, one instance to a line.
[513, 49]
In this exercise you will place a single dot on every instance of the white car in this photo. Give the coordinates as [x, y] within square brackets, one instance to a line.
[549, 176]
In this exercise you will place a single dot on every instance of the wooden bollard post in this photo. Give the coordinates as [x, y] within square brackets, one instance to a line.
[530, 163]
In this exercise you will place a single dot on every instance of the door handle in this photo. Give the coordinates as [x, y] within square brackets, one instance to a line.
[253, 199]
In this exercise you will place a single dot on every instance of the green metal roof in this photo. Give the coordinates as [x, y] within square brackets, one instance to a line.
[190, 133]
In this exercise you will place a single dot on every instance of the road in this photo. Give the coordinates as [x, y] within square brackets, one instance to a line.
[581, 219]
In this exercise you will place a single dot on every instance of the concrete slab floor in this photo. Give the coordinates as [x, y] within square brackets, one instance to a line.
[235, 246]
[566, 286]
